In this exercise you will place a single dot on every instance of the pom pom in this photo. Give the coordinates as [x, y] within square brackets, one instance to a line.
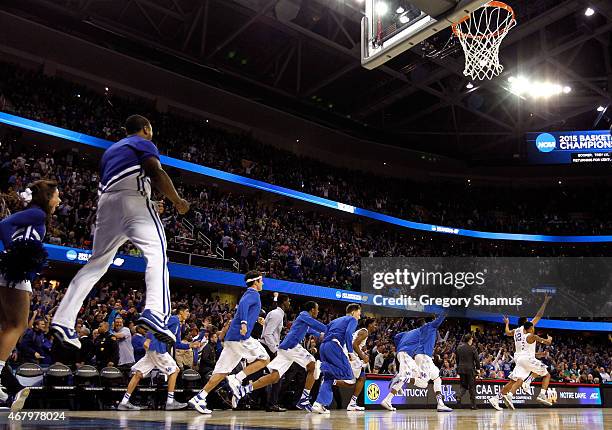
[23, 261]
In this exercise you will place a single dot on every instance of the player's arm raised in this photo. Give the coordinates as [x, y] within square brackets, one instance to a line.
[507, 330]
[162, 182]
[540, 313]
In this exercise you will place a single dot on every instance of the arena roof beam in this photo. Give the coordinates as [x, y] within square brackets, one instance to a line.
[293, 29]
[241, 30]
[194, 23]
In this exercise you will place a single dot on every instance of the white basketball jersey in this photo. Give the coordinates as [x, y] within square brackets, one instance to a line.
[363, 342]
[521, 345]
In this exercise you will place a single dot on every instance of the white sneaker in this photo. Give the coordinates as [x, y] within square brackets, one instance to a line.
[542, 399]
[443, 408]
[526, 386]
[494, 401]
[20, 399]
[319, 408]
[234, 385]
[354, 407]
[508, 400]
[317, 371]
[387, 405]
[199, 405]
[3, 395]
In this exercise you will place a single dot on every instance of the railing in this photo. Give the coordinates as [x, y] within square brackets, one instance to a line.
[202, 260]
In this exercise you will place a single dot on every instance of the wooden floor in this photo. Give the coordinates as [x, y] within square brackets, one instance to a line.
[487, 419]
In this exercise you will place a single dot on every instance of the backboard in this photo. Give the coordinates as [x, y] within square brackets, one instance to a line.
[391, 27]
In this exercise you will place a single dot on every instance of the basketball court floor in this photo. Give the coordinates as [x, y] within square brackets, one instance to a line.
[485, 419]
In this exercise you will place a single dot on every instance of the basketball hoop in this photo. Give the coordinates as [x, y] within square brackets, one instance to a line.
[481, 34]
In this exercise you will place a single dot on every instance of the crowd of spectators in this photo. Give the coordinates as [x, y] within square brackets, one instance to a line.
[109, 338]
[564, 210]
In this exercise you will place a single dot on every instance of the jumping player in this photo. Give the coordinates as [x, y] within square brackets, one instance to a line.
[238, 345]
[527, 364]
[157, 357]
[291, 351]
[360, 360]
[506, 392]
[335, 364]
[125, 211]
[419, 343]
[24, 257]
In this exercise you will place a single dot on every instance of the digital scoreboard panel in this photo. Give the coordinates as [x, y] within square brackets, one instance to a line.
[570, 147]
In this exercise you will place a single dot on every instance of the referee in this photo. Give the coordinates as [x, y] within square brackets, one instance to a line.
[467, 363]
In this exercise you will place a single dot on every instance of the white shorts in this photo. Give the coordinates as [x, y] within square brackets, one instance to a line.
[407, 366]
[23, 286]
[286, 357]
[526, 365]
[427, 368]
[154, 360]
[235, 351]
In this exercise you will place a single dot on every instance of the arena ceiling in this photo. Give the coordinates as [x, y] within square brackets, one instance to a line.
[304, 56]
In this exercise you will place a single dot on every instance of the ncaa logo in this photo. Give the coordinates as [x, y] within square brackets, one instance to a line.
[71, 255]
[338, 294]
[373, 392]
[546, 142]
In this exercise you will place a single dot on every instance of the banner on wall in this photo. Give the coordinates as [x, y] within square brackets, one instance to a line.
[376, 390]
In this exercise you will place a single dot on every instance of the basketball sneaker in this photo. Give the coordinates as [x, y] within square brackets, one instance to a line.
[354, 407]
[235, 385]
[152, 323]
[494, 401]
[66, 336]
[199, 404]
[304, 404]
[175, 406]
[542, 399]
[319, 408]
[3, 395]
[387, 405]
[128, 407]
[507, 398]
[20, 399]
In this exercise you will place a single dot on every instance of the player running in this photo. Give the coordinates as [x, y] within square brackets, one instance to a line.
[157, 357]
[405, 344]
[291, 351]
[125, 211]
[335, 364]
[238, 345]
[419, 343]
[507, 391]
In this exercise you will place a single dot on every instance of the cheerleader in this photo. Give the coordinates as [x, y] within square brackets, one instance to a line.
[21, 262]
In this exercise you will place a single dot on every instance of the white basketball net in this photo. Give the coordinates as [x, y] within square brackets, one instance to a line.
[480, 35]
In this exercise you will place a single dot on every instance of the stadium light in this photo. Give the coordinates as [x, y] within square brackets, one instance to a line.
[601, 109]
[399, 10]
[589, 12]
[404, 19]
[469, 86]
[381, 8]
[521, 86]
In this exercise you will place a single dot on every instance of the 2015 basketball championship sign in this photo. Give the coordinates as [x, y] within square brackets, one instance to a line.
[569, 147]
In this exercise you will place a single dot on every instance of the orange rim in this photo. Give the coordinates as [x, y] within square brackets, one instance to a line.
[498, 4]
